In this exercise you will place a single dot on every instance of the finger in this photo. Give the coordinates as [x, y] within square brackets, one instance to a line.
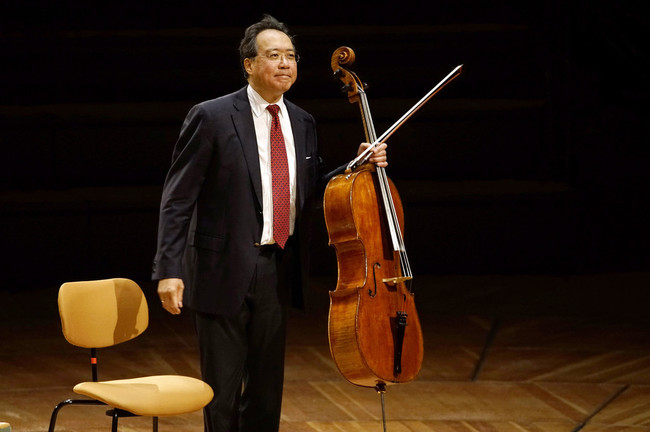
[170, 305]
[177, 304]
[172, 309]
[380, 161]
[178, 297]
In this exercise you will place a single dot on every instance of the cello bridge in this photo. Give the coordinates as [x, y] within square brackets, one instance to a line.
[396, 280]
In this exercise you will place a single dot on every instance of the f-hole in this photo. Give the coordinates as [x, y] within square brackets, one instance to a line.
[374, 279]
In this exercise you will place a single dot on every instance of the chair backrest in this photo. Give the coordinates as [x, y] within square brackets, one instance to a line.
[102, 313]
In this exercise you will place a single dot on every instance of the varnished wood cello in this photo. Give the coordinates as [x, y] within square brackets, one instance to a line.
[374, 329]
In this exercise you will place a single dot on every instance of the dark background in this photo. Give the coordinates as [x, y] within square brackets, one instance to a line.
[534, 161]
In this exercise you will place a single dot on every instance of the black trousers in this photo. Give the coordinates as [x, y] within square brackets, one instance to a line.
[242, 356]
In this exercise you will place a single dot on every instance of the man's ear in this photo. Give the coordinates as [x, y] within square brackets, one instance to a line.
[247, 65]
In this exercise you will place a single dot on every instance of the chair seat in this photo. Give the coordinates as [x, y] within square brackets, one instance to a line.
[154, 396]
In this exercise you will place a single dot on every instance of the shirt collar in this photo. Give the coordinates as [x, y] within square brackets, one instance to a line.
[258, 104]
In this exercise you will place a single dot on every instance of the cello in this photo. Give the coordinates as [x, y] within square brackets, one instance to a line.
[374, 330]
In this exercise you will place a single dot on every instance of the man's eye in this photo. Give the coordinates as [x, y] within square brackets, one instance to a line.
[274, 56]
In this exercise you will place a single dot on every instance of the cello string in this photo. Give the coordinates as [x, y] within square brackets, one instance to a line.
[391, 214]
[391, 218]
[389, 206]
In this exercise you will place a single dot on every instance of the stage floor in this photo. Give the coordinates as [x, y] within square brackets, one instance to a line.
[502, 353]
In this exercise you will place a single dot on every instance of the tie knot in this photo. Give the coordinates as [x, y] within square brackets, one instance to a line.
[273, 109]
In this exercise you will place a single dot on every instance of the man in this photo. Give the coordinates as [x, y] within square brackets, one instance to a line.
[229, 225]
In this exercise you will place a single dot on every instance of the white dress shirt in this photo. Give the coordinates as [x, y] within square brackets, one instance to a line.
[262, 120]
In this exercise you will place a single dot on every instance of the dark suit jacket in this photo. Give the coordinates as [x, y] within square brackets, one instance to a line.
[211, 207]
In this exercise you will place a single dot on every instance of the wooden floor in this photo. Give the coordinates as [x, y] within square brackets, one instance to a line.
[502, 353]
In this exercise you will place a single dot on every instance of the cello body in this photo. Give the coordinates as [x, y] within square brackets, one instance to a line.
[371, 302]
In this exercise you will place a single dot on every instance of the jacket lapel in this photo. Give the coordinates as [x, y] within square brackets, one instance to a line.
[243, 121]
[299, 130]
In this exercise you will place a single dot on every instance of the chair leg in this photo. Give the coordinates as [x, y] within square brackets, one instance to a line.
[155, 424]
[115, 418]
[67, 402]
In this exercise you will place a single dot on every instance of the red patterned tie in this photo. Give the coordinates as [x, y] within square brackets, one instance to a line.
[279, 180]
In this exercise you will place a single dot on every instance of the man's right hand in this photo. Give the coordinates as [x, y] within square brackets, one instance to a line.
[170, 292]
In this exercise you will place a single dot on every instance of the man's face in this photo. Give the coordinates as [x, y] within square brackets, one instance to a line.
[268, 77]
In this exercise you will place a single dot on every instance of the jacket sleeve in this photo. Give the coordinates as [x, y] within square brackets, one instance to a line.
[190, 161]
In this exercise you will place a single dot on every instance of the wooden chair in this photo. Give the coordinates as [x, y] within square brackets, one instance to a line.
[103, 313]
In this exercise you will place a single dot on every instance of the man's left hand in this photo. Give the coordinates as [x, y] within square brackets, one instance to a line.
[378, 157]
